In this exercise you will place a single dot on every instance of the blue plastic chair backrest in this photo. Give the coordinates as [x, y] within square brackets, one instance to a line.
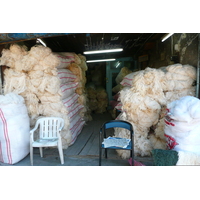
[118, 124]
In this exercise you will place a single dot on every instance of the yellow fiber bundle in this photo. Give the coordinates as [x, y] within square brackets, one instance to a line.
[18, 50]
[117, 88]
[183, 70]
[144, 103]
[39, 52]
[83, 64]
[149, 82]
[142, 146]
[12, 57]
[48, 97]
[76, 70]
[91, 92]
[123, 72]
[7, 59]
[93, 104]
[101, 94]
[15, 81]
[101, 106]
[34, 75]
[49, 62]
[48, 108]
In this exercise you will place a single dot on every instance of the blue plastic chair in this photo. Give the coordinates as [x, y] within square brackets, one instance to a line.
[103, 135]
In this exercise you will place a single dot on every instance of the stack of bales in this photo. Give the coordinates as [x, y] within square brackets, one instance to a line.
[144, 99]
[42, 78]
[92, 94]
[83, 99]
[98, 98]
[70, 69]
[102, 100]
[77, 65]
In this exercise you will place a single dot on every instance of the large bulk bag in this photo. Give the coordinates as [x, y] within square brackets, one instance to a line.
[14, 128]
[182, 125]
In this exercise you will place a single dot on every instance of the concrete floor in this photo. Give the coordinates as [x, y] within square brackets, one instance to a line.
[84, 152]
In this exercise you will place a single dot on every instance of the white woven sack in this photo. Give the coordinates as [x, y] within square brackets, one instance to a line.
[14, 130]
[75, 111]
[68, 89]
[70, 101]
[128, 79]
[64, 60]
[182, 124]
[66, 76]
[119, 106]
[76, 128]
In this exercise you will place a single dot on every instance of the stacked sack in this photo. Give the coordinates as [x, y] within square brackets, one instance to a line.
[182, 129]
[42, 78]
[144, 98]
[70, 75]
[77, 65]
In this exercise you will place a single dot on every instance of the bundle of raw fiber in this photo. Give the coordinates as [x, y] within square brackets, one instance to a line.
[79, 68]
[141, 110]
[15, 81]
[93, 104]
[76, 70]
[80, 74]
[78, 112]
[102, 98]
[12, 57]
[145, 101]
[83, 64]
[158, 139]
[142, 146]
[117, 88]
[91, 93]
[98, 98]
[97, 77]
[35, 76]
[178, 77]
[86, 112]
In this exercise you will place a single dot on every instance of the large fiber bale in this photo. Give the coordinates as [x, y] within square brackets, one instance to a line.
[36, 75]
[145, 100]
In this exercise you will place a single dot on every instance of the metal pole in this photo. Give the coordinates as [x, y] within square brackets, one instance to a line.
[198, 67]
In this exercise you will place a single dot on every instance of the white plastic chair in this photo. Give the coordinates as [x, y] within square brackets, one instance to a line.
[49, 135]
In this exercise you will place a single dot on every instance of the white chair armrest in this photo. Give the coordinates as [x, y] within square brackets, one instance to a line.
[60, 129]
[32, 132]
